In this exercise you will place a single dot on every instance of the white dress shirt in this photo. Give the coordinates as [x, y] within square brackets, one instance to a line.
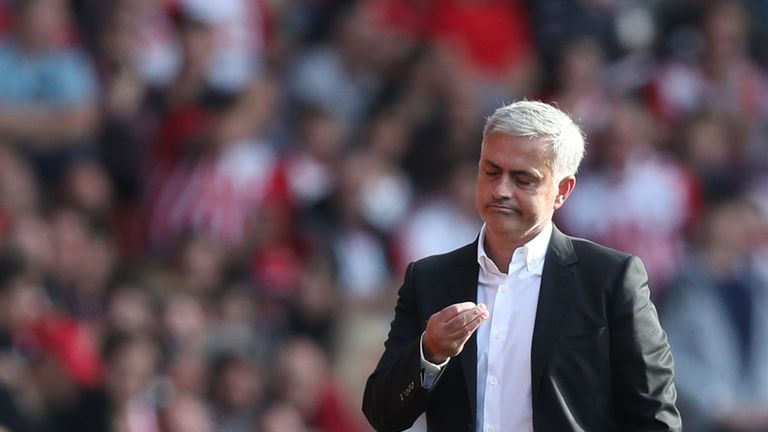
[504, 341]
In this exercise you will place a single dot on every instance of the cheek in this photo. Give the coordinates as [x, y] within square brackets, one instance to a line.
[481, 191]
[534, 204]
[528, 205]
[549, 202]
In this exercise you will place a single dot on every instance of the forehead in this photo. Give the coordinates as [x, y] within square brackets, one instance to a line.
[507, 150]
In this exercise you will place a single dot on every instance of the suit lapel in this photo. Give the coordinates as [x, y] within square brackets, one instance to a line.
[553, 299]
[463, 288]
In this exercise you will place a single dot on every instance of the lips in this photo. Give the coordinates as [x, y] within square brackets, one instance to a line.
[502, 208]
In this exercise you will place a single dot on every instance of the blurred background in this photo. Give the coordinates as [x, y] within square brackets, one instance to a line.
[206, 207]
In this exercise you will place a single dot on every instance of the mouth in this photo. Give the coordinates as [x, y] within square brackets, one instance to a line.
[501, 208]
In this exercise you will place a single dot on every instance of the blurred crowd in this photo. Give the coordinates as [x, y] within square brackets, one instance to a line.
[206, 206]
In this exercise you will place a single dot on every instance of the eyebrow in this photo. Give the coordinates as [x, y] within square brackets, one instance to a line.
[529, 173]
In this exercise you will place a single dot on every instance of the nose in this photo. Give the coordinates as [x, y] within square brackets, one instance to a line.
[503, 188]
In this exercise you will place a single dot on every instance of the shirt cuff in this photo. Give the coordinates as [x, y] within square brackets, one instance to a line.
[430, 370]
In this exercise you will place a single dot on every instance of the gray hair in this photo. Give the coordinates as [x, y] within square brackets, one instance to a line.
[535, 119]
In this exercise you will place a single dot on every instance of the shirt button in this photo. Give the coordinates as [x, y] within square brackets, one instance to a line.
[493, 381]
[503, 289]
[491, 429]
[497, 336]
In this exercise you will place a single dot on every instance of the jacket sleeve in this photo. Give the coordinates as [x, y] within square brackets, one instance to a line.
[643, 369]
[394, 397]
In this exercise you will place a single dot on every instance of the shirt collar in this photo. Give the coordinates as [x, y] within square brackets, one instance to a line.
[530, 255]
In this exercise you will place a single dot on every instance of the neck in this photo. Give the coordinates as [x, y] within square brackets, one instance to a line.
[500, 248]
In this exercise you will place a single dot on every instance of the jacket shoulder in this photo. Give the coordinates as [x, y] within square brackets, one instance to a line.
[464, 255]
[588, 251]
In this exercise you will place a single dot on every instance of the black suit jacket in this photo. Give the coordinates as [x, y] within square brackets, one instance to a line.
[600, 361]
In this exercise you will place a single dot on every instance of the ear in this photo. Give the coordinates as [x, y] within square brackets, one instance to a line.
[564, 189]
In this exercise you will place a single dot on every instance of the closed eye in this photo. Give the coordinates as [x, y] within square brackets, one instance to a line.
[526, 182]
[489, 168]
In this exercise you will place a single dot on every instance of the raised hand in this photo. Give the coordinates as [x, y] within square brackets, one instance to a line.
[449, 329]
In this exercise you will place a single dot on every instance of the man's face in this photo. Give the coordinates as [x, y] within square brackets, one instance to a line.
[516, 194]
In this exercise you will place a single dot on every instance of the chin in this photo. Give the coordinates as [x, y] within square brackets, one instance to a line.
[508, 229]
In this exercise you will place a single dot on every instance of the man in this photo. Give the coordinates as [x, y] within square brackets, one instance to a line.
[526, 328]
[48, 93]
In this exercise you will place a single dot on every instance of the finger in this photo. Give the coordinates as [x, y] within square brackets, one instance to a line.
[451, 311]
[484, 308]
[465, 332]
[461, 320]
[469, 328]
